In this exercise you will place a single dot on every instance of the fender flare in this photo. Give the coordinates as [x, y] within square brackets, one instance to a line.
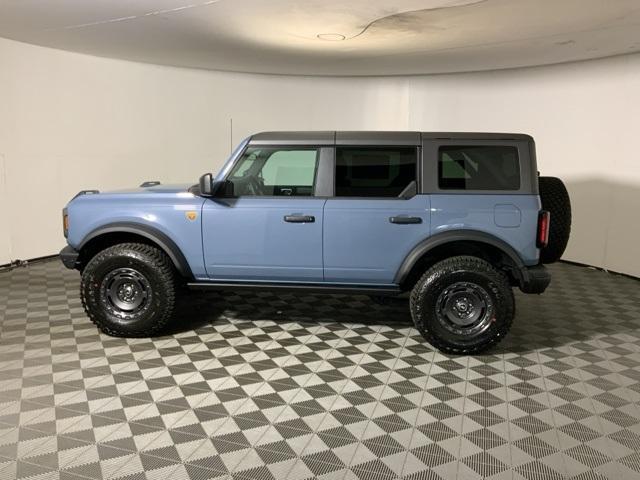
[456, 236]
[156, 236]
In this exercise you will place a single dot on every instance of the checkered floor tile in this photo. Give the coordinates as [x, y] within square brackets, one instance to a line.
[265, 386]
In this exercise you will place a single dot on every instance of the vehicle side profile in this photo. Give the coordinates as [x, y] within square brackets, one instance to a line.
[455, 219]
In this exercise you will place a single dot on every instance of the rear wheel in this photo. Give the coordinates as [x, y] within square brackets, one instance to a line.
[463, 305]
[129, 290]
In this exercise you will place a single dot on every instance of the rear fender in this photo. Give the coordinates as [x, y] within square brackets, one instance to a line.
[450, 237]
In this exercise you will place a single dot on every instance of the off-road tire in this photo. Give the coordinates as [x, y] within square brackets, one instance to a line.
[157, 270]
[453, 271]
[555, 199]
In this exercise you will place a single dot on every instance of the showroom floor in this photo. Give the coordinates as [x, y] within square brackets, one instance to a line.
[262, 386]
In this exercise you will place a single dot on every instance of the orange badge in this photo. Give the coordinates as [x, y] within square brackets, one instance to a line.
[191, 215]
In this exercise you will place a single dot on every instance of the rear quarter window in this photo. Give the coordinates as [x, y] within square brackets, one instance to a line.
[485, 167]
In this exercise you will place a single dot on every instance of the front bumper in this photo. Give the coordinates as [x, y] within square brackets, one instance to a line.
[534, 279]
[69, 257]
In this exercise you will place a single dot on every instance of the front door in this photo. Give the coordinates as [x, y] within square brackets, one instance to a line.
[271, 227]
[376, 216]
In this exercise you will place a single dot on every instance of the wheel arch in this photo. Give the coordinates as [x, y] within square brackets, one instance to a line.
[460, 242]
[122, 232]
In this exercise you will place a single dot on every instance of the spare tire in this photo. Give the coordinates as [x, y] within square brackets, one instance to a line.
[555, 199]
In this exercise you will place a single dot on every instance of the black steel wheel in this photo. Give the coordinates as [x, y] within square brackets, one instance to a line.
[129, 290]
[464, 308]
[126, 293]
[463, 305]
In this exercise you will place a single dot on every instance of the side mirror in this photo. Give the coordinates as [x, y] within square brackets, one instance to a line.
[210, 188]
[206, 185]
[224, 189]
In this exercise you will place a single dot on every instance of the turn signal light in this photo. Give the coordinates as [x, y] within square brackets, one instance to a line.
[65, 222]
[544, 219]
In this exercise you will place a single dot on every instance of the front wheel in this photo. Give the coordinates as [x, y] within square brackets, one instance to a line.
[463, 305]
[128, 290]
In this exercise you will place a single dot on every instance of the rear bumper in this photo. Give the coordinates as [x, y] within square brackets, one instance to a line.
[534, 279]
[69, 257]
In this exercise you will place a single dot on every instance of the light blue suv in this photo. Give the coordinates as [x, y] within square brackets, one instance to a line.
[457, 219]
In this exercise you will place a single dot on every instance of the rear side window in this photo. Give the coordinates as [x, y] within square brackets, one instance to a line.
[478, 168]
[374, 171]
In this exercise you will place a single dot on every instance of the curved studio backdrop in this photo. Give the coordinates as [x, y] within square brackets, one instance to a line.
[70, 121]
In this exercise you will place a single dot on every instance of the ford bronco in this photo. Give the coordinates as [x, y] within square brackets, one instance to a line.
[454, 219]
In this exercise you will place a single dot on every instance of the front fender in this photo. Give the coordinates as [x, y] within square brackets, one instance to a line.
[153, 234]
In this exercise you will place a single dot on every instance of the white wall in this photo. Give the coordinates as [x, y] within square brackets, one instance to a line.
[69, 121]
[5, 248]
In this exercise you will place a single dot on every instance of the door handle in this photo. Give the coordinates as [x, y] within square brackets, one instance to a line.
[299, 218]
[403, 220]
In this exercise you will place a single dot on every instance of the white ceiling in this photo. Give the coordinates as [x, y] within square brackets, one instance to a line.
[380, 36]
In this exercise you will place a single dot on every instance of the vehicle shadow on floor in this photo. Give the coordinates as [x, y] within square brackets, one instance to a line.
[199, 310]
[202, 311]
[541, 322]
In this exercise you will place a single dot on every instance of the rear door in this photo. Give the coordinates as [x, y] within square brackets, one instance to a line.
[270, 229]
[376, 216]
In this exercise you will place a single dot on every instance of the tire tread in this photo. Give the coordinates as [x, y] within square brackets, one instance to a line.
[555, 199]
[460, 263]
[161, 264]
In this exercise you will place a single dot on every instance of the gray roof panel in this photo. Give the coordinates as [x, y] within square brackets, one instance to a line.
[378, 138]
[475, 136]
[293, 138]
[326, 138]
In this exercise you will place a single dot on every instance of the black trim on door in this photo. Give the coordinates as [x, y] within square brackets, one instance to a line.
[404, 220]
[299, 218]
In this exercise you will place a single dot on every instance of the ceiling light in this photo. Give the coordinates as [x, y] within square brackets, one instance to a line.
[331, 37]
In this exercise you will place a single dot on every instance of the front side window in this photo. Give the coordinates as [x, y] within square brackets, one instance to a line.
[478, 168]
[275, 171]
[374, 171]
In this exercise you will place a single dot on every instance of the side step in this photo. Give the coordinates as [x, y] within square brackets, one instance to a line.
[385, 290]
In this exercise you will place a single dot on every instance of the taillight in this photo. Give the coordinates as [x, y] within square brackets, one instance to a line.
[542, 239]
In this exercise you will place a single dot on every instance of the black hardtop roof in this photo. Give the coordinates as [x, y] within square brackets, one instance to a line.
[373, 137]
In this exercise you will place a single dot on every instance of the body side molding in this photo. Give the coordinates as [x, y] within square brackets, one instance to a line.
[316, 287]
